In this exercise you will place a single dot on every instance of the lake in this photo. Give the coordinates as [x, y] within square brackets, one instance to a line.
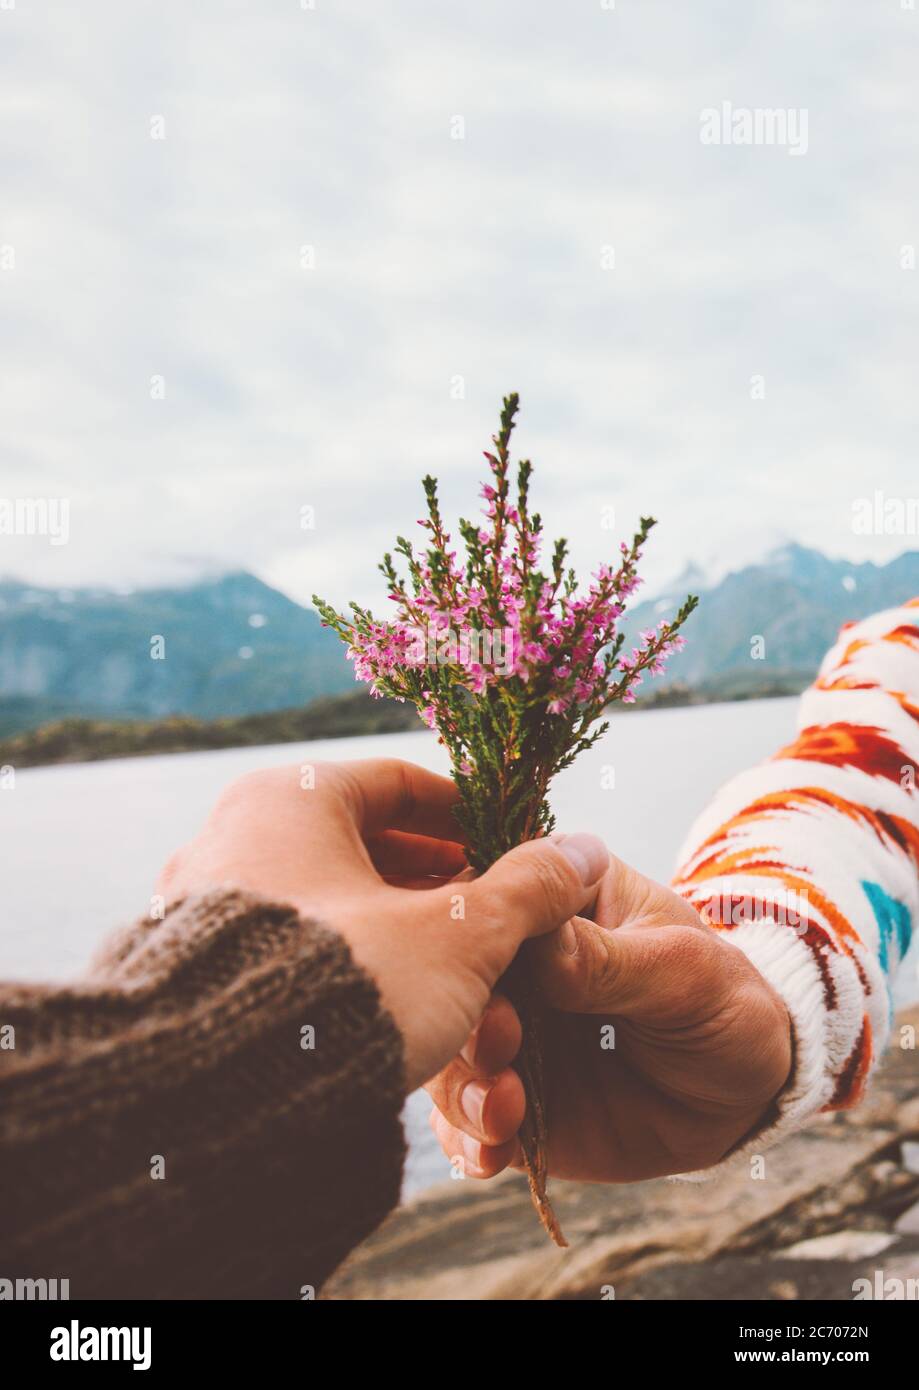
[83, 843]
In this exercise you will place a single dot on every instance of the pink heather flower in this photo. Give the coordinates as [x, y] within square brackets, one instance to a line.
[476, 681]
[511, 645]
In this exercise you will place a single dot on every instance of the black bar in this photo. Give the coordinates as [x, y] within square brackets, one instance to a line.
[233, 1339]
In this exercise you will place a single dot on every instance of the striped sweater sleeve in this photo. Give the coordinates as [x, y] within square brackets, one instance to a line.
[809, 863]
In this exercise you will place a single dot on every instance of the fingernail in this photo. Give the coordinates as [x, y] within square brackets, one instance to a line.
[467, 1051]
[472, 1100]
[586, 853]
[568, 939]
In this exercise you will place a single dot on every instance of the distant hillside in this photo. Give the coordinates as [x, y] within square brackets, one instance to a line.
[90, 740]
[236, 647]
[233, 646]
[796, 599]
[332, 716]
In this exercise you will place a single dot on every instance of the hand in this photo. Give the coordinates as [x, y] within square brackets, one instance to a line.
[702, 1046]
[353, 849]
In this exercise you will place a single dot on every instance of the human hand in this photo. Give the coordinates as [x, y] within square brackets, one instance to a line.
[352, 847]
[702, 1047]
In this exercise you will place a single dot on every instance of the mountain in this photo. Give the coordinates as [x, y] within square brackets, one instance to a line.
[795, 599]
[231, 646]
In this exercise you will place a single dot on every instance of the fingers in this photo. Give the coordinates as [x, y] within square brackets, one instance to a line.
[415, 884]
[496, 1041]
[658, 975]
[388, 794]
[532, 889]
[476, 1160]
[479, 1100]
[394, 853]
[478, 1092]
[309, 825]
[646, 952]
[489, 1108]
[627, 898]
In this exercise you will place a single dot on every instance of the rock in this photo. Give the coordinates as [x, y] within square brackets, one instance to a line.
[908, 1223]
[839, 1245]
[909, 1157]
[734, 1236]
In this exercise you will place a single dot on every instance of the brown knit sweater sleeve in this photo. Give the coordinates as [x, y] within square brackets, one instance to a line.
[213, 1112]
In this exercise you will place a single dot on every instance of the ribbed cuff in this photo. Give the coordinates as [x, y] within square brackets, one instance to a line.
[789, 965]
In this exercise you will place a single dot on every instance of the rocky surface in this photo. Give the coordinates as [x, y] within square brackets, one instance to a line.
[838, 1202]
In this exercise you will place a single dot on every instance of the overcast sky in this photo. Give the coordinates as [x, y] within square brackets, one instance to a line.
[178, 365]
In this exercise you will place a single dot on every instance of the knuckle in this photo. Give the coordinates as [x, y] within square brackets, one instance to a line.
[279, 785]
[242, 789]
[691, 952]
[754, 1008]
[401, 773]
[395, 772]
[443, 1089]
[687, 975]
[551, 881]
[603, 972]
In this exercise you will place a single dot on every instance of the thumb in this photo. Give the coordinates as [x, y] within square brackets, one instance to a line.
[657, 973]
[536, 887]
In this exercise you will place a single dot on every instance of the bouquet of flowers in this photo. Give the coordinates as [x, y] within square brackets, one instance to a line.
[512, 665]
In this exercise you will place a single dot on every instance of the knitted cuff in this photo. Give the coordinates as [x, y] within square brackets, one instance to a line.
[825, 1003]
[788, 963]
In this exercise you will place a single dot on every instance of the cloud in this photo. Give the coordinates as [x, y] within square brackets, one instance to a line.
[182, 259]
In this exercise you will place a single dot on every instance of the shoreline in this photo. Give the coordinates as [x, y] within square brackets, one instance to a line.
[80, 740]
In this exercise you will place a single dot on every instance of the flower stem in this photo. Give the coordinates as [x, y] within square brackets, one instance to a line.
[517, 984]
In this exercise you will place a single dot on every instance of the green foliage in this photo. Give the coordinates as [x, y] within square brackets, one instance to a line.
[510, 731]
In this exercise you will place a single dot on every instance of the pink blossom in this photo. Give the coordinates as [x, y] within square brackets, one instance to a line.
[554, 645]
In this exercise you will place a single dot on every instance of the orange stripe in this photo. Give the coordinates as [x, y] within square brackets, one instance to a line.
[851, 1083]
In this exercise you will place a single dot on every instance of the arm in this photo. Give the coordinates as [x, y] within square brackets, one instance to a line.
[164, 1134]
[808, 863]
[168, 1128]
